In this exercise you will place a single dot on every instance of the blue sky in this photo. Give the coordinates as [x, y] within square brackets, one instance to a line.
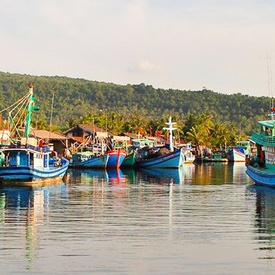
[186, 45]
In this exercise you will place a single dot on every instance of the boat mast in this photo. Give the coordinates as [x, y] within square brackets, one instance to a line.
[31, 107]
[170, 128]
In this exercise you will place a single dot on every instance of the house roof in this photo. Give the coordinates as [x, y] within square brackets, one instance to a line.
[78, 139]
[90, 128]
[44, 134]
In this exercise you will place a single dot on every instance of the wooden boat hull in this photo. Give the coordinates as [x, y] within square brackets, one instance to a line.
[33, 183]
[116, 158]
[92, 162]
[261, 176]
[172, 160]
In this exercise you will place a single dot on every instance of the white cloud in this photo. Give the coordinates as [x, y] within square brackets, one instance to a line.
[148, 66]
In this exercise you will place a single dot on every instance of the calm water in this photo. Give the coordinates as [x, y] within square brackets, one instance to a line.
[203, 219]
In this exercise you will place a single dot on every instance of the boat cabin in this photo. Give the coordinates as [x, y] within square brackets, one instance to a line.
[25, 154]
[20, 157]
[141, 143]
[267, 127]
[244, 144]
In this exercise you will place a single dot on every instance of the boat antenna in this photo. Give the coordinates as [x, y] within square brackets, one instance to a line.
[51, 117]
[170, 128]
[269, 74]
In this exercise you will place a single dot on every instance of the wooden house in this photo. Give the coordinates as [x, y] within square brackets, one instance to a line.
[80, 133]
[57, 141]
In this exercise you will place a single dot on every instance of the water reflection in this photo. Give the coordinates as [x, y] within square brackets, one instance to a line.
[95, 176]
[219, 173]
[195, 219]
[27, 208]
[199, 174]
[132, 176]
[265, 218]
[161, 176]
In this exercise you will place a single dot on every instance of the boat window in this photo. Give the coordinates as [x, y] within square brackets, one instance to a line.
[31, 158]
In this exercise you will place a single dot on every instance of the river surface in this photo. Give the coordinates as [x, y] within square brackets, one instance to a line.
[202, 219]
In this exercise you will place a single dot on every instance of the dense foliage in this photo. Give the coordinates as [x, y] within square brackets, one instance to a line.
[205, 117]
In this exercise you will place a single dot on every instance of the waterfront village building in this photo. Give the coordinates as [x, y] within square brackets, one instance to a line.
[90, 133]
[57, 142]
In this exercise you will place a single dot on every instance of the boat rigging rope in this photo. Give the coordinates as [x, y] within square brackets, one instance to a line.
[26, 96]
[20, 108]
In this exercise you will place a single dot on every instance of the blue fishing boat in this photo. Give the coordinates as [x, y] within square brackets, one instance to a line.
[173, 159]
[161, 157]
[88, 159]
[23, 162]
[261, 168]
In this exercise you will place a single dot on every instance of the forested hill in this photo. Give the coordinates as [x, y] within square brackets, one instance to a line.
[78, 97]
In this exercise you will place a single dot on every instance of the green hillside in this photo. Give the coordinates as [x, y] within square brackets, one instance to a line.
[75, 100]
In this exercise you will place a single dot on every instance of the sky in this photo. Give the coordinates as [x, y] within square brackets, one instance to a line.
[227, 46]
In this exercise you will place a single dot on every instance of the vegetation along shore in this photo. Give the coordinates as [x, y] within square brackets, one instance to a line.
[203, 117]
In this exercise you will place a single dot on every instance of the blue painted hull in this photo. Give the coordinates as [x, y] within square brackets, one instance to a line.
[25, 174]
[261, 176]
[92, 162]
[116, 157]
[172, 160]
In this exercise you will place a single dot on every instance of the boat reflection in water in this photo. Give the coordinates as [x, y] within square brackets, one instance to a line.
[219, 173]
[30, 207]
[265, 218]
[163, 176]
[131, 176]
[199, 174]
[160, 176]
[95, 176]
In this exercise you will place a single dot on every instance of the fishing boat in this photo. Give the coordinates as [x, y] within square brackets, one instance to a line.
[261, 168]
[239, 152]
[129, 160]
[88, 159]
[188, 153]
[161, 157]
[25, 162]
[216, 156]
[139, 143]
[168, 160]
[88, 155]
[115, 157]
